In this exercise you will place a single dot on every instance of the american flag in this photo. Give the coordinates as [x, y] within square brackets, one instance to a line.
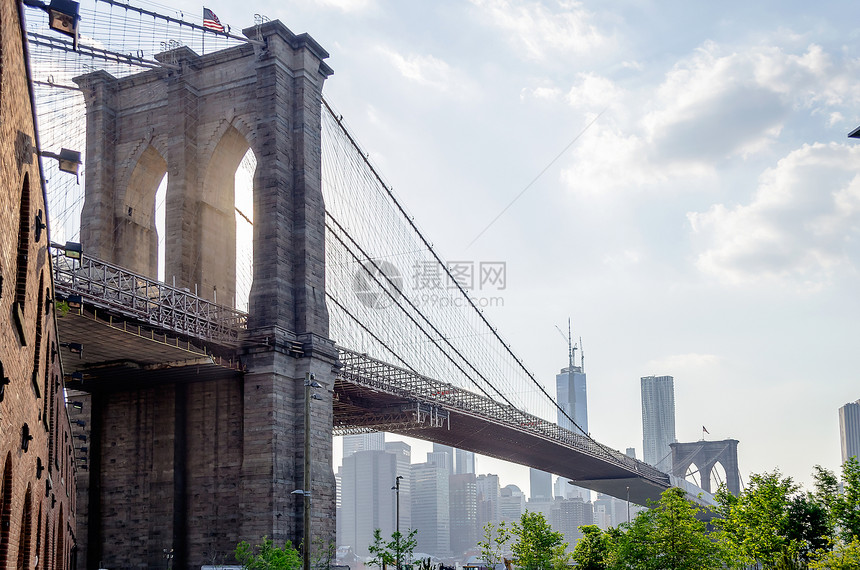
[211, 21]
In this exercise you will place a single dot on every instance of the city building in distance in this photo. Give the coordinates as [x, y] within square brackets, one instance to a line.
[849, 430]
[658, 420]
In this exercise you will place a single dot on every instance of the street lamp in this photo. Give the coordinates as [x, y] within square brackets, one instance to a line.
[628, 504]
[306, 493]
[396, 488]
[63, 16]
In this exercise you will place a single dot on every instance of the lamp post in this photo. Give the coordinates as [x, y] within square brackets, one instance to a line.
[628, 504]
[306, 551]
[397, 516]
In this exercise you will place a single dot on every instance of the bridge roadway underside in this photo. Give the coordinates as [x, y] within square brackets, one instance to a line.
[120, 355]
[357, 407]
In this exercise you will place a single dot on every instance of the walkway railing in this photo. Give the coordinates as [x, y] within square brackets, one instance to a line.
[372, 373]
[139, 297]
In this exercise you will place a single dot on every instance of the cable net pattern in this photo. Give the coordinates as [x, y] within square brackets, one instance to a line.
[389, 294]
[392, 297]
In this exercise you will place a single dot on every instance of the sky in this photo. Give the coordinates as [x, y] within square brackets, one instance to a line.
[675, 177]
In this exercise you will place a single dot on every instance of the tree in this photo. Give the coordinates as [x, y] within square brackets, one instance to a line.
[809, 527]
[323, 553]
[754, 527]
[379, 551]
[398, 550]
[844, 556]
[538, 547]
[846, 506]
[593, 550]
[493, 546]
[668, 537]
[402, 547]
[267, 556]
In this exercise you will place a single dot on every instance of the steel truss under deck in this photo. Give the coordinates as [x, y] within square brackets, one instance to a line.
[442, 398]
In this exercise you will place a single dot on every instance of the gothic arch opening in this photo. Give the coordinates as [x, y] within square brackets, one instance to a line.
[225, 219]
[693, 475]
[137, 235]
[718, 476]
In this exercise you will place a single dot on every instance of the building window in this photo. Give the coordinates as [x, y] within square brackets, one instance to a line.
[5, 510]
[25, 536]
[37, 347]
[23, 243]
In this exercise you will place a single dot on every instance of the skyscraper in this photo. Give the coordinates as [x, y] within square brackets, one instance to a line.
[373, 441]
[403, 452]
[572, 396]
[367, 501]
[658, 420]
[465, 462]
[571, 393]
[488, 499]
[463, 509]
[430, 508]
[540, 485]
[849, 430]
[512, 503]
[443, 456]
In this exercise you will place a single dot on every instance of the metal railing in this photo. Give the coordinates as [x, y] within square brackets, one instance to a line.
[372, 373]
[135, 296]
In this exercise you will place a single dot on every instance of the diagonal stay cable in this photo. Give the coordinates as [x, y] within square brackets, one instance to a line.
[390, 193]
[416, 310]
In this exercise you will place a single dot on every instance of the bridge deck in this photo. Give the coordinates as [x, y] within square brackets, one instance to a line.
[137, 330]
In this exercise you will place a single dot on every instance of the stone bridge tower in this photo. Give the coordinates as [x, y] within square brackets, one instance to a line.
[705, 455]
[188, 464]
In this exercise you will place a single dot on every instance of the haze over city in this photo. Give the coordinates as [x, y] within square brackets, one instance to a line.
[704, 226]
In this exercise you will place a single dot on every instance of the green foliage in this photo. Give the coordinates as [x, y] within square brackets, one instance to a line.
[381, 556]
[323, 554]
[398, 549]
[846, 506]
[594, 550]
[492, 547]
[754, 527]
[665, 537]
[402, 547]
[809, 527]
[844, 556]
[537, 547]
[267, 556]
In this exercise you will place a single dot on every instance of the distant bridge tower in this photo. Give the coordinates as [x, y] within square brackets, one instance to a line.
[186, 465]
[705, 455]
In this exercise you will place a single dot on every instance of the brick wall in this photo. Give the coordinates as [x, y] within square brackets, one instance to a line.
[37, 451]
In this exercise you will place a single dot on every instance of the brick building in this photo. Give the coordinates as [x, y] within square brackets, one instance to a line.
[37, 470]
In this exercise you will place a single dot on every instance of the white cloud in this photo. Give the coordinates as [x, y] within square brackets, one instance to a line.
[541, 93]
[430, 71]
[712, 106]
[544, 33]
[802, 225]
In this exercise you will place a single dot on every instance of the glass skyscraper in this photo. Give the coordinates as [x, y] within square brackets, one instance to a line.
[658, 420]
[849, 430]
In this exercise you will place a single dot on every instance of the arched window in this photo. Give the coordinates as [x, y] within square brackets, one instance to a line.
[60, 548]
[37, 346]
[5, 510]
[25, 535]
[23, 243]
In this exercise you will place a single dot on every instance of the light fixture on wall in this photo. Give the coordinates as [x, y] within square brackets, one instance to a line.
[63, 17]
